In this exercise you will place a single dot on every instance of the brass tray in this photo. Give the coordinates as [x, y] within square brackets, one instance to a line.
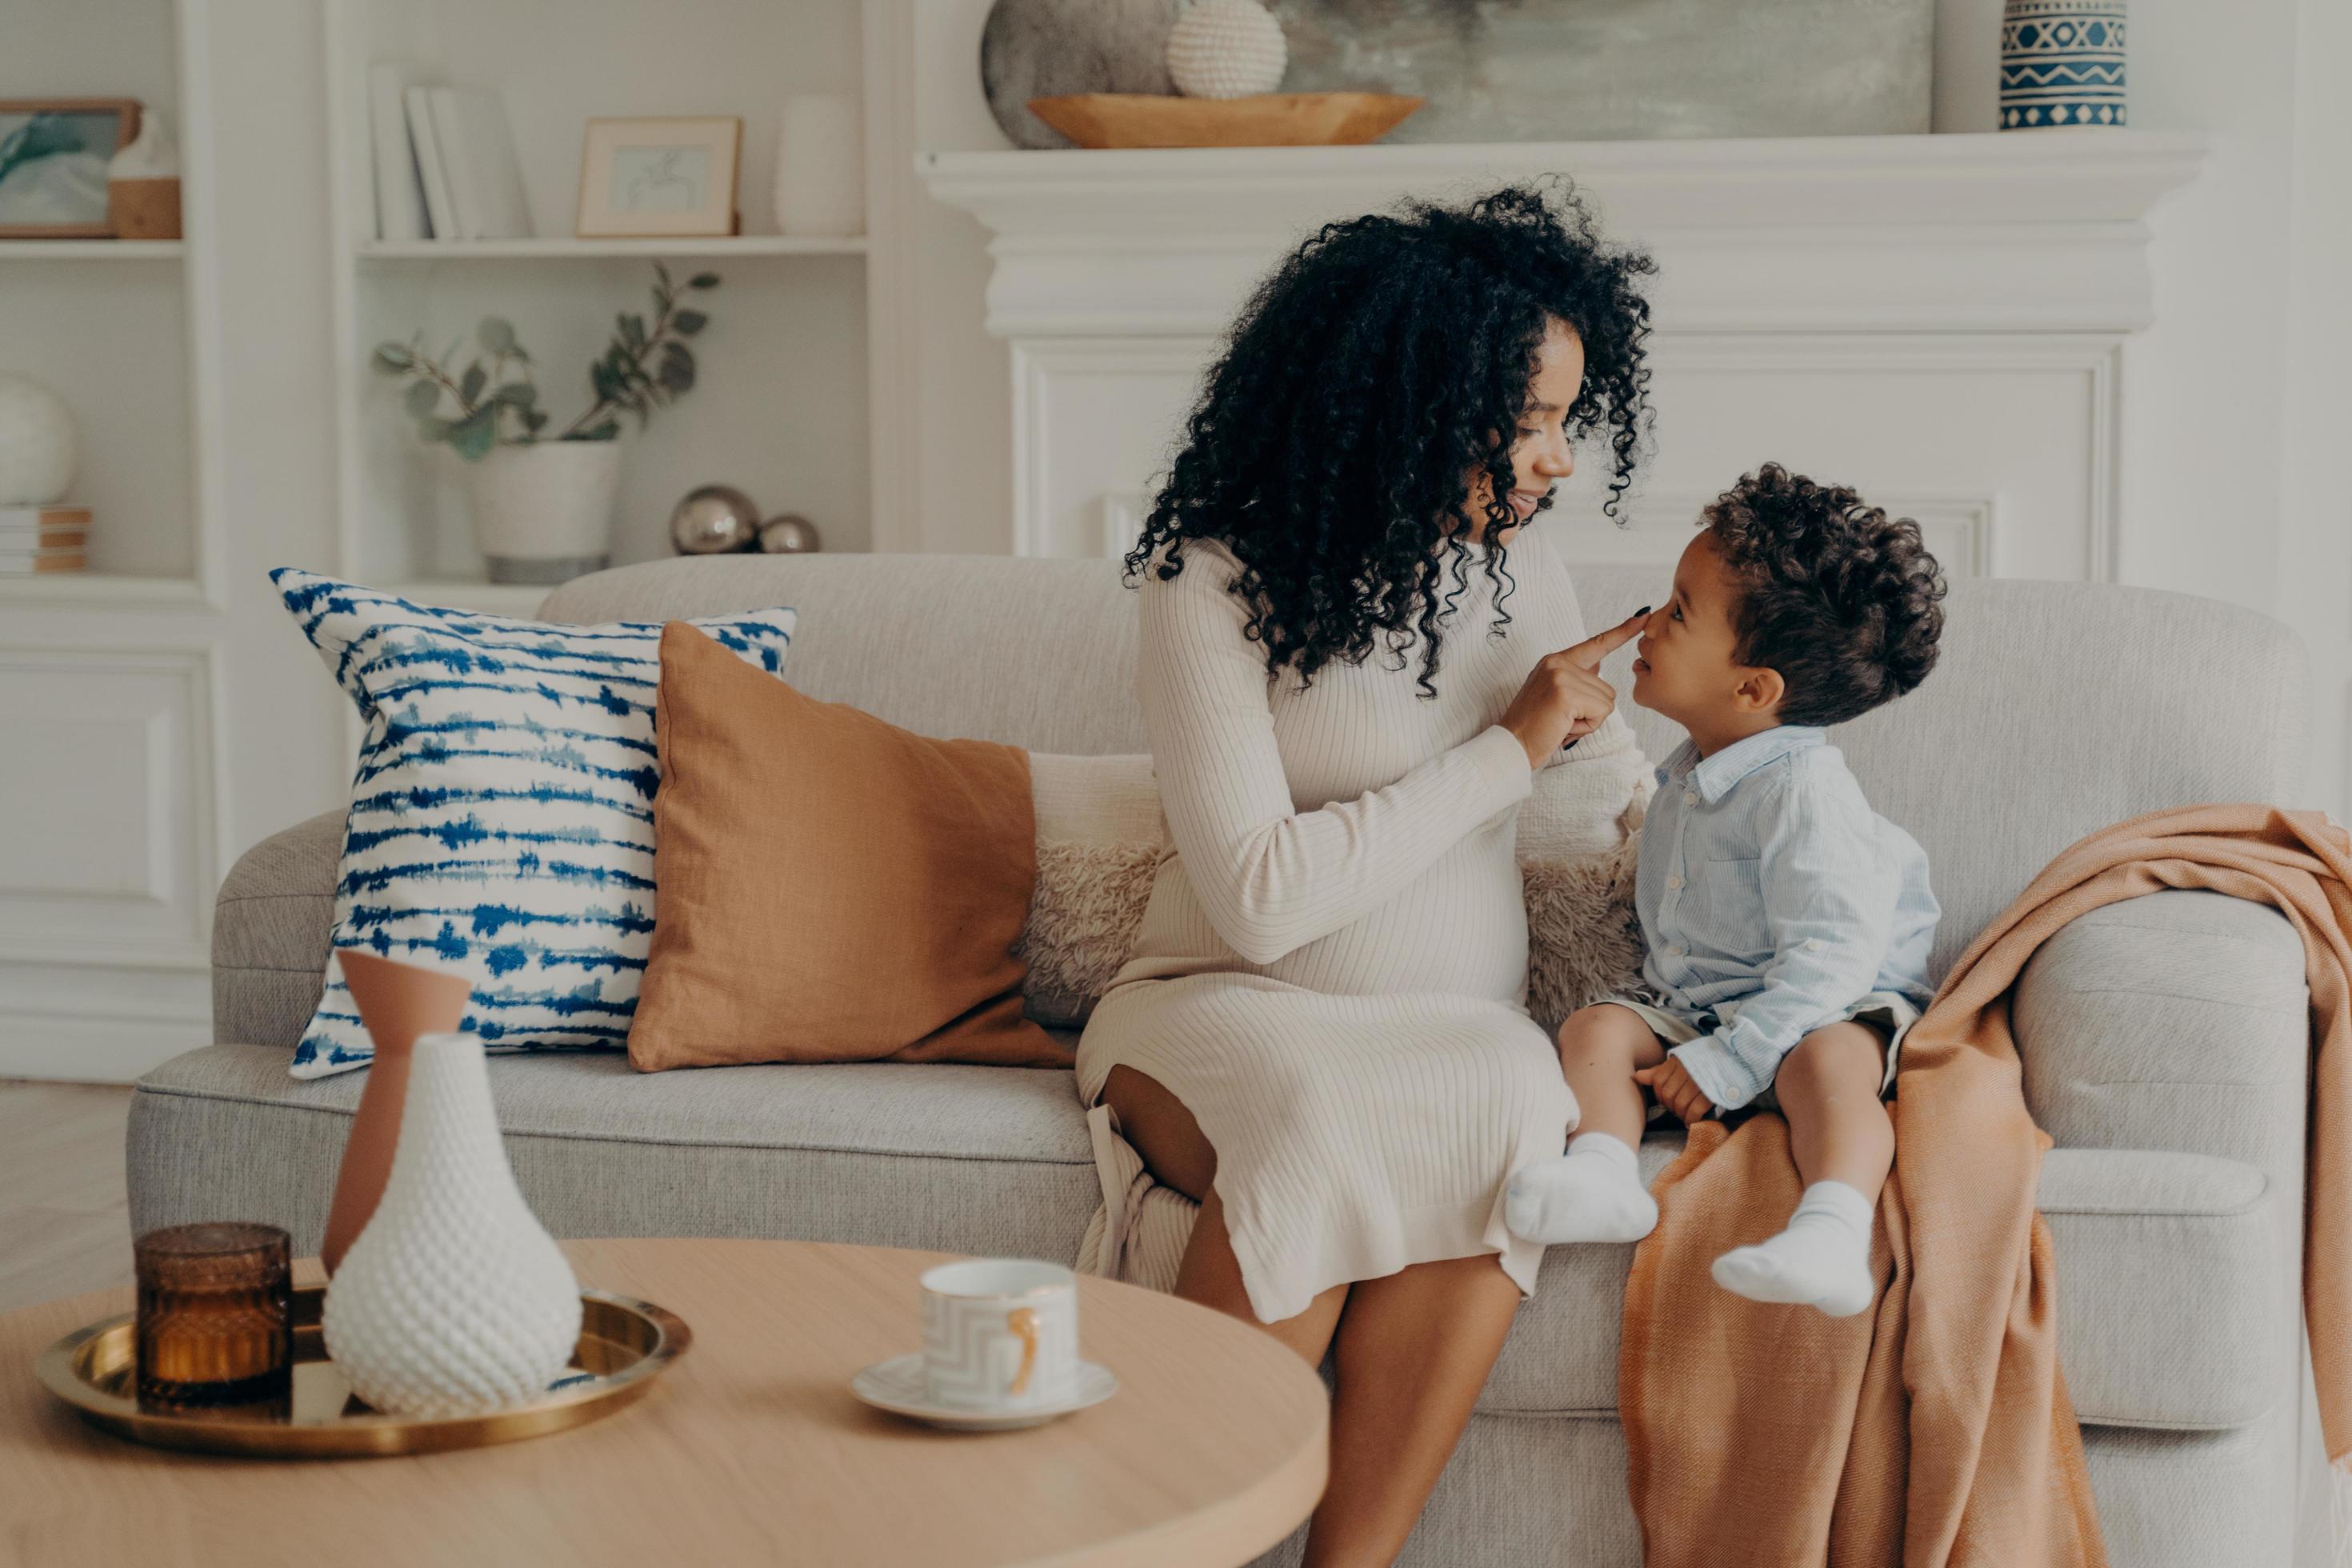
[624, 1345]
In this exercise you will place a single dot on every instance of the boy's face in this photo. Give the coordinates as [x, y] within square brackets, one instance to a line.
[1686, 666]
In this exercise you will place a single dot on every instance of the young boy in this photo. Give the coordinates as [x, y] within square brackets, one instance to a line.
[1788, 924]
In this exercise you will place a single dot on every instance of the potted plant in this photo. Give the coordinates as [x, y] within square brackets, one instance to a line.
[542, 504]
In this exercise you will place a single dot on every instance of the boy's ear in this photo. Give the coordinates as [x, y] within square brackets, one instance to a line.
[1759, 692]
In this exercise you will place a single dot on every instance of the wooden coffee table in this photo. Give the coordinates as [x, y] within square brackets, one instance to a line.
[750, 1449]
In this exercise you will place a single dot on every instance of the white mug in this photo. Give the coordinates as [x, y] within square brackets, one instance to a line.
[1000, 1334]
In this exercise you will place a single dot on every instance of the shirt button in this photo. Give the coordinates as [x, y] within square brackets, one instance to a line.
[1690, 797]
[1813, 944]
[1673, 881]
[1675, 951]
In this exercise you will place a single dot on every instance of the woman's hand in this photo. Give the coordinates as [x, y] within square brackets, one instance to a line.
[1564, 695]
[1676, 1090]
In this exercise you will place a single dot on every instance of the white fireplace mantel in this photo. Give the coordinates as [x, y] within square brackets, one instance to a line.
[2024, 231]
[1936, 319]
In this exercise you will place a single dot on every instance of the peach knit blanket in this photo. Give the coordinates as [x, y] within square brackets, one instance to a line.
[1935, 1428]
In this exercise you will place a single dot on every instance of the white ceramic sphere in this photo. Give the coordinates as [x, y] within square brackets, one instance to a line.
[37, 448]
[1226, 49]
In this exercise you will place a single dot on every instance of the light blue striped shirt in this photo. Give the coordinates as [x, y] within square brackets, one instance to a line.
[1772, 897]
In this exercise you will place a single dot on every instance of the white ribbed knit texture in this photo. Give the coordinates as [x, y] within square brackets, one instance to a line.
[1332, 973]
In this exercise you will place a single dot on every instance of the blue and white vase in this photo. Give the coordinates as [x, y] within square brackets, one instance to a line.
[2062, 64]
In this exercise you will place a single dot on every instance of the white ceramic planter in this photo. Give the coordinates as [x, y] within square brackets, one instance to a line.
[543, 512]
[455, 1299]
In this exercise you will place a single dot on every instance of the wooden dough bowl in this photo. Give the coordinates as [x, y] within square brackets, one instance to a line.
[1273, 120]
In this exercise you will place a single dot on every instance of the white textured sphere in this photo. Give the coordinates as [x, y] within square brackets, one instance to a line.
[38, 450]
[1226, 49]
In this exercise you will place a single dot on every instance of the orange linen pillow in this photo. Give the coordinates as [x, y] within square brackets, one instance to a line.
[829, 887]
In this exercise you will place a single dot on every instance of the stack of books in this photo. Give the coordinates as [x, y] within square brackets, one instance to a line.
[445, 161]
[43, 538]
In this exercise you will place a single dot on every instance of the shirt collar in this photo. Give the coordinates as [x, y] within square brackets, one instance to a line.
[1714, 775]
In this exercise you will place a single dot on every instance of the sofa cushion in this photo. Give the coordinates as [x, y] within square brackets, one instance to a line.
[501, 821]
[965, 1159]
[2172, 1270]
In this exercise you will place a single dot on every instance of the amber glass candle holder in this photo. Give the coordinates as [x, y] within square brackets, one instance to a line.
[216, 1325]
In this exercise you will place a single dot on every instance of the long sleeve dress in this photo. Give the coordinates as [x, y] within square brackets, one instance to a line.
[1331, 975]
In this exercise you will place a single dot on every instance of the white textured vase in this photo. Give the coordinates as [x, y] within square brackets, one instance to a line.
[820, 166]
[455, 1299]
[543, 510]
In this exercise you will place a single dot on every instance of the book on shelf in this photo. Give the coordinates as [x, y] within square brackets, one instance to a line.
[431, 171]
[40, 562]
[399, 190]
[477, 160]
[24, 528]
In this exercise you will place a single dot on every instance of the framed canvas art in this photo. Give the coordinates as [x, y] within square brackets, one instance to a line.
[665, 176]
[53, 158]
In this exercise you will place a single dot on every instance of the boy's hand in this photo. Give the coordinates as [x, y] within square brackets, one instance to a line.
[1676, 1090]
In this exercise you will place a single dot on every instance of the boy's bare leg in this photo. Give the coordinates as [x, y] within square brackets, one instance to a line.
[1593, 1192]
[1844, 1143]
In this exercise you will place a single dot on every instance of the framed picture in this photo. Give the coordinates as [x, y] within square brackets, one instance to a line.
[670, 176]
[53, 158]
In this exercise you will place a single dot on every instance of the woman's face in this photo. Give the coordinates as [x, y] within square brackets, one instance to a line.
[1541, 456]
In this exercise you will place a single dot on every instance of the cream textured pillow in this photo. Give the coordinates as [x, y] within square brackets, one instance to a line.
[1101, 836]
[1100, 839]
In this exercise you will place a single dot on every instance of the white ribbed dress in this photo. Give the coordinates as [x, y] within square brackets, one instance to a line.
[1332, 973]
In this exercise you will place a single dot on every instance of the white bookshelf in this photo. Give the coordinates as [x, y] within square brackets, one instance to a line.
[780, 407]
[123, 331]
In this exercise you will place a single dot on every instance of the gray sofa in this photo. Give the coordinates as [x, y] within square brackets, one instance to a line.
[2163, 1039]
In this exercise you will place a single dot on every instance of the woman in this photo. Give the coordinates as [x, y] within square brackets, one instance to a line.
[1353, 660]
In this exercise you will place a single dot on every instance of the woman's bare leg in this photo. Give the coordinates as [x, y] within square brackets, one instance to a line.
[1164, 1132]
[1414, 1349]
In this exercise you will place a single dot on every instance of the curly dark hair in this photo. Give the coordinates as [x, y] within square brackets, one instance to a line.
[1383, 361]
[1843, 601]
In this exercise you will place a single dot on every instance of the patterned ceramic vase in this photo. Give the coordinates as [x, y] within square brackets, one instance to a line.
[455, 1299]
[2062, 64]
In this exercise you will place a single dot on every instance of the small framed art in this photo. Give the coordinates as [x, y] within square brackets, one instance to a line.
[53, 158]
[665, 176]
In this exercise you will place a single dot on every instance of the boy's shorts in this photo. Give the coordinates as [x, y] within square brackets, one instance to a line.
[1892, 1010]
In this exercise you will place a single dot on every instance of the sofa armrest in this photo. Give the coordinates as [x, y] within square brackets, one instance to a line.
[272, 925]
[2175, 1021]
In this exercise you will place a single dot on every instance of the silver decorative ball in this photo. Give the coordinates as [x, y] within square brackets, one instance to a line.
[713, 520]
[787, 533]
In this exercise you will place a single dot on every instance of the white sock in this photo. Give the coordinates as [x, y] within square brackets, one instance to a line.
[1822, 1260]
[1592, 1193]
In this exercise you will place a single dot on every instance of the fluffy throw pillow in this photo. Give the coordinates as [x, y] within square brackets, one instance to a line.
[501, 819]
[1580, 835]
[1100, 838]
[834, 888]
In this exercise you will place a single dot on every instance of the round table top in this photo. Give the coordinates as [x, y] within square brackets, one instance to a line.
[750, 1448]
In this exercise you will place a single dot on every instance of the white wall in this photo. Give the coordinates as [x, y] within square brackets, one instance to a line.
[2225, 488]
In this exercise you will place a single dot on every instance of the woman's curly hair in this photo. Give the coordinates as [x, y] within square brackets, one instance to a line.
[1383, 361]
[1843, 601]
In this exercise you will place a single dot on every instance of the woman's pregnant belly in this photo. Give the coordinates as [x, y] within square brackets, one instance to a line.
[1461, 927]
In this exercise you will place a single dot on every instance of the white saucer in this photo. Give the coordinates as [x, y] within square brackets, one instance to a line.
[897, 1386]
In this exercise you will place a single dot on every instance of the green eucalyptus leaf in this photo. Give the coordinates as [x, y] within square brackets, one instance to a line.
[473, 436]
[632, 330]
[690, 322]
[431, 428]
[703, 280]
[497, 335]
[520, 393]
[469, 388]
[606, 431]
[662, 272]
[393, 359]
[422, 397]
[533, 420]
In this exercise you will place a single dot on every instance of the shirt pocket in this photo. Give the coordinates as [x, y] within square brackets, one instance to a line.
[1729, 913]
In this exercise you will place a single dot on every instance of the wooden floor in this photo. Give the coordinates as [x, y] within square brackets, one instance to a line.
[64, 1225]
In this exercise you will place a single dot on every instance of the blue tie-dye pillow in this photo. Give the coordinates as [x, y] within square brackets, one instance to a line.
[501, 819]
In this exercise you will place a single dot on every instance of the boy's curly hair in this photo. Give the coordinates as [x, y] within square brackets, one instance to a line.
[1843, 601]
